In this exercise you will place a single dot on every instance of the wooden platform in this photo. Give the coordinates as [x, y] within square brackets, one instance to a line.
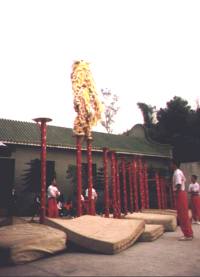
[102, 235]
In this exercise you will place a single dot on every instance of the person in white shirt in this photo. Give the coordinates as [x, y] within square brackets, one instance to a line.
[181, 202]
[194, 190]
[92, 203]
[52, 194]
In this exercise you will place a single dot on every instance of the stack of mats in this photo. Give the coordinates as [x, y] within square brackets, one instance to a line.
[21, 243]
[99, 234]
[168, 221]
[151, 232]
[160, 211]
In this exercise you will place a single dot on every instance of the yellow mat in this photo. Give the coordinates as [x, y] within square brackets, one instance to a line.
[168, 221]
[21, 243]
[103, 235]
[151, 232]
[160, 211]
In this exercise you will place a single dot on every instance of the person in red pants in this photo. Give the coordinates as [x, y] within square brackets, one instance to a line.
[52, 194]
[181, 202]
[194, 190]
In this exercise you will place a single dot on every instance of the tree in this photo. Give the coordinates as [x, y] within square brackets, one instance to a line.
[148, 113]
[110, 109]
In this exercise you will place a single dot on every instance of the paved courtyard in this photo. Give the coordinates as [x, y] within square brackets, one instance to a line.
[164, 257]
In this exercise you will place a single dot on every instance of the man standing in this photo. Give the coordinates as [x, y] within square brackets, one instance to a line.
[181, 202]
[93, 200]
[194, 190]
[52, 194]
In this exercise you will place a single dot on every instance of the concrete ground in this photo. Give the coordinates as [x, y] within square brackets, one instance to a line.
[164, 257]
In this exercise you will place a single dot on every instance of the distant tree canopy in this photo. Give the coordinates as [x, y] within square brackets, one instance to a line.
[178, 125]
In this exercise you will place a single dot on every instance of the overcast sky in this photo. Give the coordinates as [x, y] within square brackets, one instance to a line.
[144, 51]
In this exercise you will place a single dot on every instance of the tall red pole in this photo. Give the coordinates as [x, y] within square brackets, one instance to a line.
[114, 194]
[135, 185]
[79, 174]
[158, 190]
[43, 128]
[146, 185]
[124, 186]
[90, 181]
[118, 188]
[106, 188]
[130, 188]
[141, 182]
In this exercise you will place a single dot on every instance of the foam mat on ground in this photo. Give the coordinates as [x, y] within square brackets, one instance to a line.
[21, 243]
[168, 221]
[151, 232]
[99, 234]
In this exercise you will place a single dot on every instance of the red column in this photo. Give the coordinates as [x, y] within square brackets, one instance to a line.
[124, 186]
[158, 190]
[79, 174]
[141, 182]
[43, 128]
[118, 188]
[171, 198]
[165, 193]
[130, 188]
[135, 184]
[106, 188]
[114, 194]
[146, 185]
[90, 181]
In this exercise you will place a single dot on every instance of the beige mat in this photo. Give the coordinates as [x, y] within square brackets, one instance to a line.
[151, 232]
[160, 211]
[27, 242]
[103, 235]
[168, 221]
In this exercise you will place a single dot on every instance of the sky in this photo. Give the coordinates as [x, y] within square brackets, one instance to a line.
[143, 51]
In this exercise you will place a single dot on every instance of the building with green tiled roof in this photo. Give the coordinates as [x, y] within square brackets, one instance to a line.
[21, 156]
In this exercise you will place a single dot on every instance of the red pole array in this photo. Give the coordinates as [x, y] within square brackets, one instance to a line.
[146, 186]
[114, 194]
[130, 188]
[43, 129]
[118, 188]
[124, 186]
[91, 203]
[79, 174]
[135, 185]
[158, 190]
[141, 182]
[106, 188]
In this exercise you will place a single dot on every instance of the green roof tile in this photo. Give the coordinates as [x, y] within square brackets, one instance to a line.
[27, 133]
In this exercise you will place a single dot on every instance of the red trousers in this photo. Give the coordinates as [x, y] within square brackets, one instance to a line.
[87, 207]
[182, 213]
[195, 205]
[52, 207]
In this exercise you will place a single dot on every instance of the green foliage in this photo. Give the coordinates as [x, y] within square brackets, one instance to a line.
[147, 112]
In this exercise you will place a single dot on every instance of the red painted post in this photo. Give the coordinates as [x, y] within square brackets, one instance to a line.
[130, 187]
[118, 188]
[43, 128]
[79, 174]
[158, 190]
[141, 182]
[165, 193]
[135, 185]
[124, 186]
[114, 194]
[106, 188]
[146, 185]
[91, 203]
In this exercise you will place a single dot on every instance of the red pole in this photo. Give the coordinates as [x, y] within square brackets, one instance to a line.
[43, 129]
[106, 188]
[118, 188]
[141, 182]
[79, 174]
[146, 185]
[158, 190]
[124, 186]
[114, 200]
[90, 181]
[130, 188]
[135, 184]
